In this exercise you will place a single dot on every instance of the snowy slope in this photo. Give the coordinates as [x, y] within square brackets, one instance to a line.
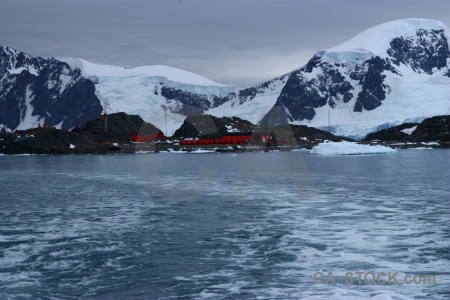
[165, 72]
[164, 96]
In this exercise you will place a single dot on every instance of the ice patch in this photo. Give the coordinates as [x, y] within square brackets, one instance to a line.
[300, 150]
[66, 80]
[202, 151]
[431, 143]
[421, 148]
[28, 119]
[230, 128]
[408, 131]
[19, 70]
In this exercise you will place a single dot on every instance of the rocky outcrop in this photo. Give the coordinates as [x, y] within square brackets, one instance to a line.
[431, 130]
[207, 126]
[119, 127]
[423, 53]
[210, 127]
[301, 134]
[396, 133]
[54, 141]
[90, 138]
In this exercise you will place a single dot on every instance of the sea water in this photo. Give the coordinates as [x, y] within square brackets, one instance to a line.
[224, 226]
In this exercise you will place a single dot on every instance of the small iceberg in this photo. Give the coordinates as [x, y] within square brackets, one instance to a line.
[144, 152]
[421, 148]
[349, 148]
[300, 150]
[171, 151]
[202, 151]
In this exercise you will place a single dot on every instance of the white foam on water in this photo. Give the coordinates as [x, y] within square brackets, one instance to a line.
[320, 235]
[290, 225]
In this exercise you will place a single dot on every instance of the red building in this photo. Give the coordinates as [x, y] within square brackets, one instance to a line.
[226, 139]
[145, 138]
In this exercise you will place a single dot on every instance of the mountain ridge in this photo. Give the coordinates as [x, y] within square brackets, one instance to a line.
[404, 78]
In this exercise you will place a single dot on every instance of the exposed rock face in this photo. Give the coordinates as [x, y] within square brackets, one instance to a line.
[206, 126]
[396, 133]
[45, 91]
[302, 134]
[53, 141]
[303, 93]
[90, 138]
[373, 88]
[191, 104]
[435, 129]
[119, 126]
[423, 52]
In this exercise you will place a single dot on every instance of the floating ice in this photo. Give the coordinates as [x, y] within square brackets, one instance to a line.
[422, 148]
[202, 151]
[349, 148]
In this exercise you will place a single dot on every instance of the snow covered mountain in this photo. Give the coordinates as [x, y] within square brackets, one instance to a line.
[389, 74]
[45, 91]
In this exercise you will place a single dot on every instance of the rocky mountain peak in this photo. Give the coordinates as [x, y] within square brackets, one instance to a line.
[43, 91]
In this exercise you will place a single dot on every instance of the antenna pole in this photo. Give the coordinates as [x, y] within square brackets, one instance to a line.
[165, 117]
[106, 116]
[329, 126]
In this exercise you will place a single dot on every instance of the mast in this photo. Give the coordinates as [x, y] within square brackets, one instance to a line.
[165, 116]
[106, 115]
[106, 120]
[329, 126]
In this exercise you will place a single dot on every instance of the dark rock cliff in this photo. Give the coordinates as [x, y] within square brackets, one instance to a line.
[46, 91]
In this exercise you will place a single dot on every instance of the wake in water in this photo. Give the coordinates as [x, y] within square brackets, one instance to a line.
[252, 226]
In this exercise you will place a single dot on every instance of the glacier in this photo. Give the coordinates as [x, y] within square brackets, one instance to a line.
[139, 91]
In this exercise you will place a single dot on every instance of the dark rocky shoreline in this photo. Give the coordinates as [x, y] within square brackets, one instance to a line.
[92, 138]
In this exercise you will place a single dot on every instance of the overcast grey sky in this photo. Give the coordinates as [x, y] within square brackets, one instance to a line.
[229, 41]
